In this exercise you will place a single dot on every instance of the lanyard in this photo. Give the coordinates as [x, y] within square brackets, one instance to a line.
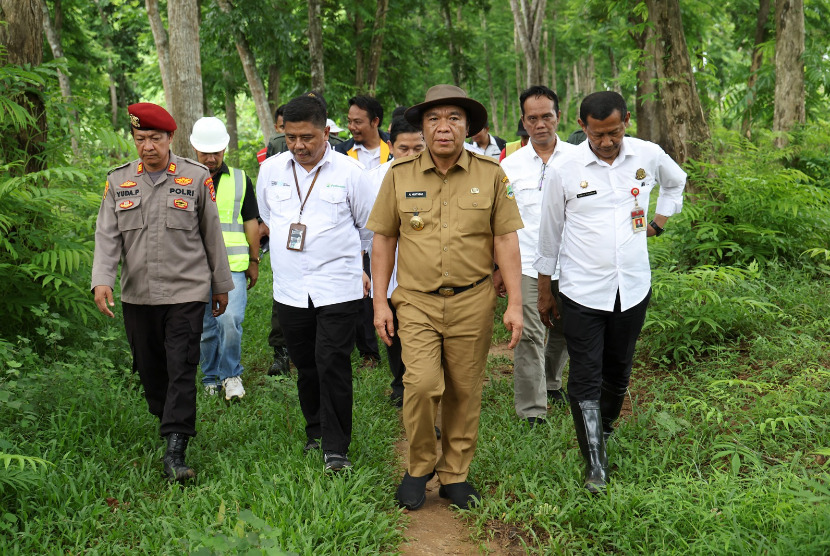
[297, 184]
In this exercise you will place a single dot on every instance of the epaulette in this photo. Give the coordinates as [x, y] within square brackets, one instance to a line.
[119, 167]
[482, 157]
[406, 159]
[194, 162]
[353, 161]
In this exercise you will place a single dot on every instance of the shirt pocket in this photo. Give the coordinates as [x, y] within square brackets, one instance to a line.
[409, 208]
[129, 214]
[529, 201]
[276, 197]
[181, 212]
[335, 203]
[474, 214]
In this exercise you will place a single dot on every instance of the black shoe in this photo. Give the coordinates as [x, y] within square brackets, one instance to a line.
[533, 421]
[557, 397]
[282, 364]
[412, 492]
[437, 433]
[174, 466]
[396, 401]
[610, 404]
[369, 361]
[336, 462]
[311, 444]
[462, 494]
[588, 425]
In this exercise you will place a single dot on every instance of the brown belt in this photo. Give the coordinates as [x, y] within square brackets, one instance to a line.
[451, 291]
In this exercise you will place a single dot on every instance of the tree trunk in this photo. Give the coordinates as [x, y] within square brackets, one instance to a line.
[185, 71]
[359, 50]
[246, 55]
[648, 110]
[553, 63]
[590, 76]
[687, 128]
[757, 59]
[455, 64]
[108, 45]
[378, 30]
[569, 87]
[518, 62]
[615, 72]
[493, 105]
[545, 49]
[504, 124]
[576, 80]
[274, 88]
[162, 48]
[22, 38]
[53, 38]
[789, 67]
[315, 45]
[527, 17]
[230, 116]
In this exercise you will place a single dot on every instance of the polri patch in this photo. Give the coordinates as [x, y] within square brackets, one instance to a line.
[183, 181]
[416, 194]
[126, 204]
[180, 204]
[588, 194]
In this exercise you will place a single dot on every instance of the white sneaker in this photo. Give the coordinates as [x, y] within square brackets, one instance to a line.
[233, 387]
[212, 389]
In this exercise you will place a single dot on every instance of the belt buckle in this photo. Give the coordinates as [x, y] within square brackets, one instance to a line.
[446, 292]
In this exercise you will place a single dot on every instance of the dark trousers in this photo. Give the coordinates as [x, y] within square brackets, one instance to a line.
[393, 356]
[320, 341]
[164, 340]
[276, 339]
[601, 345]
[364, 331]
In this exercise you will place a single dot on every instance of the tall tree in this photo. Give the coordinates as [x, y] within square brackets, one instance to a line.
[315, 45]
[493, 105]
[22, 40]
[761, 35]
[110, 69]
[378, 31]
[185, 71]
[648, 109]
[246, 54]
[687, 127]
[452, 45]
[274, 87]
[52, 28]
[527, 17]
[789, 67]
[162, 48]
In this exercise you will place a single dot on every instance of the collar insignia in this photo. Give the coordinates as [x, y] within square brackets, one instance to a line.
[171, 169]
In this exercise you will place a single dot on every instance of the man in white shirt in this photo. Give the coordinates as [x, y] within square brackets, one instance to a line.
[317, 201]
[594, 221]
[404, 140]
[484, 143]
[537, 363]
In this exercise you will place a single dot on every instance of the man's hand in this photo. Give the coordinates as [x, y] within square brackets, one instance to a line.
[252, 274]
[103, 297]
[367, 284]
[218, 304]
[660, 220]
[513, 321]
[383, 320]
[498, 283]
[545, 302]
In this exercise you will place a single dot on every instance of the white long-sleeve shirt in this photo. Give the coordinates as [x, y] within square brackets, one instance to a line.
[586, 222]
[329, 269]
[376, 176]
[528, 175]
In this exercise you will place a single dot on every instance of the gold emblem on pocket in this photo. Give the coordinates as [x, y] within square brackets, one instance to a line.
[641, 174]
[416, 222]
[583, 184]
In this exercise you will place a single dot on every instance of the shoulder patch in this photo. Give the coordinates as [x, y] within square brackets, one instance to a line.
[406, 159]
[211, 189]
[106, 190]
[122, 166]
[194, 162]
[489, 159]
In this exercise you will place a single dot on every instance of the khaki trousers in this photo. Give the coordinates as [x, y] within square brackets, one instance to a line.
[445, 342]
[537, 362]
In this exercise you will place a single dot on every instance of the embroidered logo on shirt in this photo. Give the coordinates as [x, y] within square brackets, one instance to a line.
[183, 181]
[180, 204]
[106, 190]
[128, 184]
[416, 194]
[510, 194]
[211, 189]
[588, 194]
[641, 174]
[126, 204]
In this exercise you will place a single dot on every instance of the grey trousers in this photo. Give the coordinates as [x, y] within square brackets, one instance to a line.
[539, 357]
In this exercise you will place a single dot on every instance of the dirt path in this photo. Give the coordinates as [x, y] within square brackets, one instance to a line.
[435, 529]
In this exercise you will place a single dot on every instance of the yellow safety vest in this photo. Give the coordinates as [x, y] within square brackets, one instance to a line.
[384, 152]
[229, 203]
[512, 147]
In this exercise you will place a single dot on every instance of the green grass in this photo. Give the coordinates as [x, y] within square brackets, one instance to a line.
[726, 454]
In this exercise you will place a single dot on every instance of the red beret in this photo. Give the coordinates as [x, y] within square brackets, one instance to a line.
[146, 115]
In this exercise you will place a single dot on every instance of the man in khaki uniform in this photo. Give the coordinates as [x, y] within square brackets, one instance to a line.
[446, 210]
[159, 217]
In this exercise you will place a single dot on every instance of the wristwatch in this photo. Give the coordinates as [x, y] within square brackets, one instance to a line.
[255, 260]
[658, 230]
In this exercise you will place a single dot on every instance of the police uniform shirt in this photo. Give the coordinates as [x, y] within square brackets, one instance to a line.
[376, 176]
[329, 269]
[249, 209]
[528, 175]
[491, 150]
[586, 222]
[461, 213]
[166, 233]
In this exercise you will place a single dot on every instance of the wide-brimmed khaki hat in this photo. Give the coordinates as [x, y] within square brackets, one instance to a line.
[449, 94]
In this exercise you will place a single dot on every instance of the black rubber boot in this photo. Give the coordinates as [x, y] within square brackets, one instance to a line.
[610, 403]
[174, 466]
[281, 364]
[588, 425]
[412, 492]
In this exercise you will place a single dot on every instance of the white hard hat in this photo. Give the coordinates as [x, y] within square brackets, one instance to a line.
[209, 135]
[333, 126]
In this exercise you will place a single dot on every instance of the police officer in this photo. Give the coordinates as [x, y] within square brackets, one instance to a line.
[159, 217]
[446, 210]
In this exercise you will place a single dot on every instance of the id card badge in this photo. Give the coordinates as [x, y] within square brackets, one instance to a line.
[296, 237]
[638, 220]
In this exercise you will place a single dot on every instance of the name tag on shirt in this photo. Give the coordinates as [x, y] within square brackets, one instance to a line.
[416, 194]
[588, 194]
